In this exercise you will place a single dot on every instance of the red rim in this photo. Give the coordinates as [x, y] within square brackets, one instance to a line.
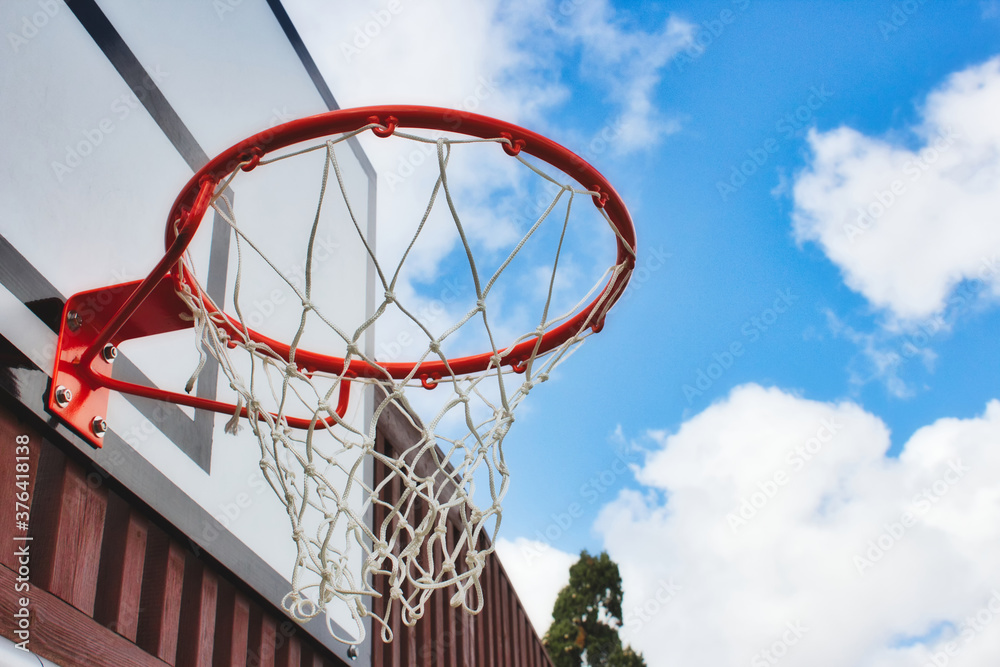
[189, 209]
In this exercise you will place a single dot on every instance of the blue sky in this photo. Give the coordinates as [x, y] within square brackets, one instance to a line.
[885, 337]
[729, 258]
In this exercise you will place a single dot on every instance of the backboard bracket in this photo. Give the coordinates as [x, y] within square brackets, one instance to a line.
[85, 316]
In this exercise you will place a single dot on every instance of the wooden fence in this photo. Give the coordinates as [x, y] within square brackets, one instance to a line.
[111, 583]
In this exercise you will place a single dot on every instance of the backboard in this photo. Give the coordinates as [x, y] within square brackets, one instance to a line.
[108, 107]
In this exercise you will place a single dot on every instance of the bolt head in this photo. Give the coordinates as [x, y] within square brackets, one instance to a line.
[99, 426]
[352, 652]
[74, 320]
[109, 353]
[63, 396]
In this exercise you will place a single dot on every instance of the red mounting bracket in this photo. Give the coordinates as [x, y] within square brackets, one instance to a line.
[82, 379]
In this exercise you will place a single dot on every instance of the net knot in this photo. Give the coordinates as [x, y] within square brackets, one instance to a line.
[481, 304]
[298, 534]
[353, 350]
[396, 593]
[309, 469]
[390, 296]
[434, 347]
[475, 560]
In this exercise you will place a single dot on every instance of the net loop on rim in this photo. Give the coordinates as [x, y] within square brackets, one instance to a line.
[438, 501]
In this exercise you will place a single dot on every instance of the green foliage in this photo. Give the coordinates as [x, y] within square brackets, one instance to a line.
[586, 615]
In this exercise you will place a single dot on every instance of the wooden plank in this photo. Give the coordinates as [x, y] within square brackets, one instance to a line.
[467, 635]
[426, 638]
[441, 637]
[451, 627]
[289, 652]
[123, 556]
[522, 632]
[10, 429]
[409, 634]
[67, 636]
[196, 637]
[260, 648]
[395, 620]
[378, 603]
[71, 528]
[508, 641]
[47, 502]
[489, 637]
[310, 656]
[162, 591]
[232, 623]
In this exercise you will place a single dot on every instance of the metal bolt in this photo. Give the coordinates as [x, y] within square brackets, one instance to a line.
[63, 396]
[109, 353]
[352, 652]
[99, 426]
[73, 320]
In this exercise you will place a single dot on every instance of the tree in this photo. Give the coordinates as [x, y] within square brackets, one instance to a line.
[586, 617]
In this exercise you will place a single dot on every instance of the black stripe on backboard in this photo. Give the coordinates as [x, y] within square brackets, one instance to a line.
[144, 86]
[317, 78]
[138, 79]
[300, 49]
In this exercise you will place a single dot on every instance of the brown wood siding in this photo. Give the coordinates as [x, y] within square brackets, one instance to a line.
[113, 584]
[499, 636]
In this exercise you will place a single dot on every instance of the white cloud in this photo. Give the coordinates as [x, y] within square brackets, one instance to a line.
[841, 555]
[629, 64]
[882, 357]
[515, 60]
[538, 572]
[508, 59]
[906, 225]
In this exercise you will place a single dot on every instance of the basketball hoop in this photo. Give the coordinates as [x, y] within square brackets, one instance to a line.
[289, 402]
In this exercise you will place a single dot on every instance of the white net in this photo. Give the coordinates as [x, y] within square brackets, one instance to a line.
[437, 504]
